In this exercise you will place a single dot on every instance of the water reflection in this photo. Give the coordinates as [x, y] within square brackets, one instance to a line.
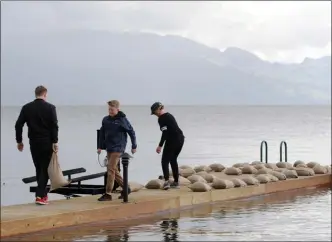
[123, 236]
[169, 230]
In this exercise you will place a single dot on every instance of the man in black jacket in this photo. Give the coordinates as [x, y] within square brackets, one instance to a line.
[173, 138]
[41, 119]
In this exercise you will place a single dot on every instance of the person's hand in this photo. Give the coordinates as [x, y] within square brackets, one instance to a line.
[133, 151]
[20, 147]
[98, 151]
[158, 150]
[55, 147]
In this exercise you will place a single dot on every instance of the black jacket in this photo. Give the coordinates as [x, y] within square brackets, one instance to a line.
[41, 119]
[113, 133]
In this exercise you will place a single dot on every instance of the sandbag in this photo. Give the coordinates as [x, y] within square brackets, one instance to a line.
[208, 169]
[233, 171]
[263, 171]
[298, 162]
[187, 172]
[134, 187]
[301, 165]
[55, 173]
[185, 167]
[237, 165]
[290, 174]
[259, 166]
[280, 169]
[200, 187]
[305, 172]
[256, 163]
[196, 178]
[201, 173]
[182, 181]
[318, 169]
[283, 165]
[263, 178]
[272, 177]
[154, 184]
[271, 166]
[202, 168]
[312, 164]
[222, 184]
[238, 182]
[250, 181]
[248, 169]
[207, 177]
[281, 176]
[217, 167]
[328, 169]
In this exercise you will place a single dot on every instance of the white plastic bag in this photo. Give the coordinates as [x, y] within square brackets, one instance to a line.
[55, 173]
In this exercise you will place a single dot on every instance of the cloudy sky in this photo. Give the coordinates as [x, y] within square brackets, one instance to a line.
[276, 31]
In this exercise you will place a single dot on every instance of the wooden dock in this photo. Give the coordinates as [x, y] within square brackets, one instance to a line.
[28, 218]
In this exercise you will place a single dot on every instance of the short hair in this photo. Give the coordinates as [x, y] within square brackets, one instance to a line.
[40, 90]
[114, 103]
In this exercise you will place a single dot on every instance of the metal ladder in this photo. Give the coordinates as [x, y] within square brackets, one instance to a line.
[283, 144]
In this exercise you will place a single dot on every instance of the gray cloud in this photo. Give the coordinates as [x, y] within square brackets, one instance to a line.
[281, 31]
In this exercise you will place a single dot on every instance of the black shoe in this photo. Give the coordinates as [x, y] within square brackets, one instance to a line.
[105, 197]
[174, 185]
[166, 185]
[121, 196]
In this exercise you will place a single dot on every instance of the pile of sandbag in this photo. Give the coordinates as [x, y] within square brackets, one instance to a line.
[203, 178]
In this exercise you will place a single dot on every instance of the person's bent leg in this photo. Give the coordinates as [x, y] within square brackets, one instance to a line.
[112, 163]
[118, 176]
[174, 163]
[34, 156]
[41, 154]
[165, 159]
[43, 179]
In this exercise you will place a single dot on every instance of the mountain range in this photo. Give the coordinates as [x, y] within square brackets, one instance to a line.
[85, 67]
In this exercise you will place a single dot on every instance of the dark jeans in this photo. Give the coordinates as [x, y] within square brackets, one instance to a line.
[41, 155]
[170, 156]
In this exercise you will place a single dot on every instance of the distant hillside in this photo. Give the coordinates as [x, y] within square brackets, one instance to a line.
[89, 67]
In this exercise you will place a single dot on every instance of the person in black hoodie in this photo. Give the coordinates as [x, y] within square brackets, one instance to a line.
[113, 134]
[173, 138]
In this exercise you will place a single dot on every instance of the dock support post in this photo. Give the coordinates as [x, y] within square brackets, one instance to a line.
[125, 163]
[266, 148]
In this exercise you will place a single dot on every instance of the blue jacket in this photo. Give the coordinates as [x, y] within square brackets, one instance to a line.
[113, 133]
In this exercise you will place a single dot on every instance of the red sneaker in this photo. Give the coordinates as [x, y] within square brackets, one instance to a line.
[41, 201]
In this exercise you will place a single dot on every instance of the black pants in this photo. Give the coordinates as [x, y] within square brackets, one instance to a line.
[170, 156]
[41, 155]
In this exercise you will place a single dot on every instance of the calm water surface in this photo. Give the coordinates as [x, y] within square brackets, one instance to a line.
[225, 134]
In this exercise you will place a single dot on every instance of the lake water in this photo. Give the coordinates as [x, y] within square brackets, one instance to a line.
[225, 134]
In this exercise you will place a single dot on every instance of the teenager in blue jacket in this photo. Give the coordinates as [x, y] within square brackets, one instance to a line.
[113, 134]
